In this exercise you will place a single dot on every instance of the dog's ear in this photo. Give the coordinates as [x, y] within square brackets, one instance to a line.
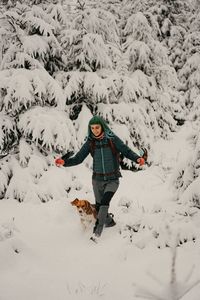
[86, 203]
[87, 207]
[75, 201]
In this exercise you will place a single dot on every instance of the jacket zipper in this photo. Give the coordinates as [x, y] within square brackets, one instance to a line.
[102, 159]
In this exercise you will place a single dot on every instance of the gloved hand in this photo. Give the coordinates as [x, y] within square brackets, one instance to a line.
[59, 162]
[141, 161]
[145, 154]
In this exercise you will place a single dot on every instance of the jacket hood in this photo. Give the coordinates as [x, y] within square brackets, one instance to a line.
[102, 122]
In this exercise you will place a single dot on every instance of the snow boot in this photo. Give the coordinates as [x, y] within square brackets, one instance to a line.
[109, 220]
[94, 238]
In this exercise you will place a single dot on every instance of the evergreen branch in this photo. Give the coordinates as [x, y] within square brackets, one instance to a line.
[188, 290]
[82, 5]
[189, 274]
[147, 294]
[11, 21]
[155, 278]
[46, 152]
[173, 267]
[9, 151]
[144, 292]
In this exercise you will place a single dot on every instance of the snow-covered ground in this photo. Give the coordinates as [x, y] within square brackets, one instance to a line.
[49, 257]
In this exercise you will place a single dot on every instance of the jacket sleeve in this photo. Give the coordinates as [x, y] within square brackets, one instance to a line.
[125, 150]
[79, 157]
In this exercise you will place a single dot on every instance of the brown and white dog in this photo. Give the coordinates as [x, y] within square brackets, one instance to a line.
[86, 211]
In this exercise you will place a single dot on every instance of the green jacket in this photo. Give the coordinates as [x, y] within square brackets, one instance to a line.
[105, 163]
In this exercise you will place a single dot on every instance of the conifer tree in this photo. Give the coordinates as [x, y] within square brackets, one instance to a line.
[154, 80]
[34, 123]
[186, 176]
[61, 60]
[31, 37]
[189, 74]
[90, 46]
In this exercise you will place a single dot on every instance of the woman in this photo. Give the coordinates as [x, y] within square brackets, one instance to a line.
[105, 148]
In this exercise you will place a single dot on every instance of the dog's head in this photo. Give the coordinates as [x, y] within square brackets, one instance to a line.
[83, 206]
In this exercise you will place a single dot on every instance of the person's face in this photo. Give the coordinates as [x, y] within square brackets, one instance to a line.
[96, 129]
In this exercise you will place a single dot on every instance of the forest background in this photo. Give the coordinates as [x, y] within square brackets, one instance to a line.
[135, 63]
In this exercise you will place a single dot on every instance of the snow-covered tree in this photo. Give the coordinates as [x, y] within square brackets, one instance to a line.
[150, 80]
[170, 19]
[32, 110]
[135, 77]
[90, 45]
[143, 226]
[189, 74]
[61, 60]
[186, 176]
[167, 12]
[173, 288]
[90, 37]
[31, 37]
[34, 123]
[5, 175]
[8, 133]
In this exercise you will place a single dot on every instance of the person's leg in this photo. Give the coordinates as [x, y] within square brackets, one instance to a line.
[106, 201]
[110, 222]
[112, 186]
[98, 189]
[103, 218]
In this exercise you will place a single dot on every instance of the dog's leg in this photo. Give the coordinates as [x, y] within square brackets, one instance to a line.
[83, 225]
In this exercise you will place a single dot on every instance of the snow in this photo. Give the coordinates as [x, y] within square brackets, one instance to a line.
[44, 254]
[136, 64]
[49, 125]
